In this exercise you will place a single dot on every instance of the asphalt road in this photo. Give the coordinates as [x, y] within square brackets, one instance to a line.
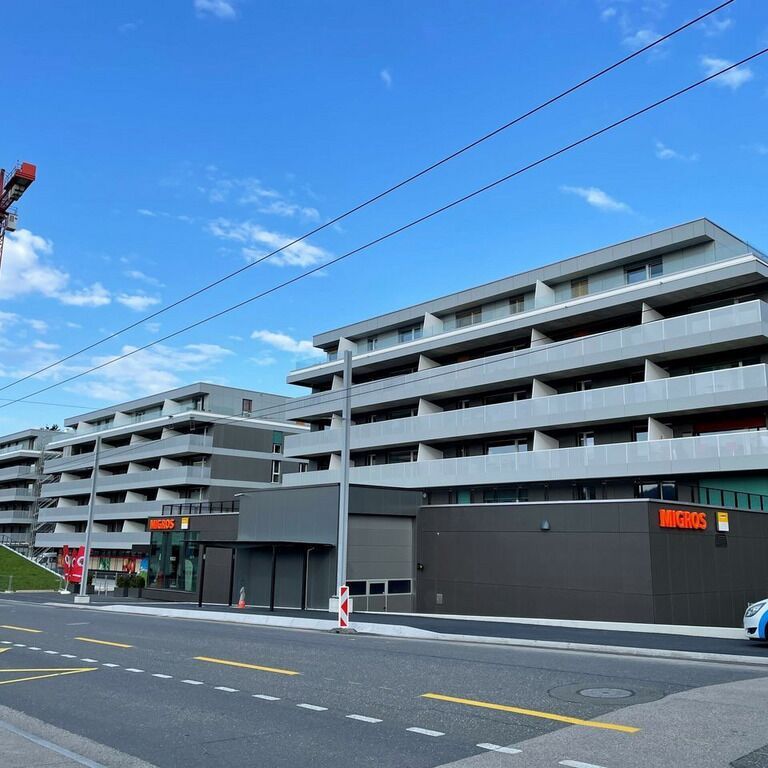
[351, 700]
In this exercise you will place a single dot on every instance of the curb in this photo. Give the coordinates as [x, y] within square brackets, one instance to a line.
[413, 633]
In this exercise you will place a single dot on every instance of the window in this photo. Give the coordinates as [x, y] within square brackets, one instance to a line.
[666, 490]
[585, 492]
[277, 448]
[302, 467]
[506, 397]
[399, 587]
[515, 445]
[639, 272]
[409, 334]
[640, 434]
[583, 385]
[370, 344]
[247, 405]
[516, 304]
[276, 471]
[505, 495]
[579, 287]
[401, 457]
[586, 439]
[376, 588]
[357, 588]
[469, 317]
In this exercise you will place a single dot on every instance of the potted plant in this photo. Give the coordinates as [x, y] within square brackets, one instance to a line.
[135, 585]
[122, 584]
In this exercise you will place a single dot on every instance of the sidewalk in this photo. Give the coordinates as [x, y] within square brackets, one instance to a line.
[29, 743]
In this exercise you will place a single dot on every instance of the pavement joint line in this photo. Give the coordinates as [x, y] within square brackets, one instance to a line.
[133, 669]
[313, 707]
[84, 761]
[243, 665]
[264, 697]
[103, 642]
[162, 676]
[425, 732]
[21, 629]
[225, 689]
[364, 718]
[499, 748]
[192, 682]
[578, 764]
[532, 713]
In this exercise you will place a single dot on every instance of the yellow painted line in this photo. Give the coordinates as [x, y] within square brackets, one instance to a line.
[247, 666]
[50, 673]
[3, 650]
[103, 642]
[21, 629]
[533, 713]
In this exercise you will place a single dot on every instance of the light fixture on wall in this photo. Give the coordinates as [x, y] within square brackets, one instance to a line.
[544, 525]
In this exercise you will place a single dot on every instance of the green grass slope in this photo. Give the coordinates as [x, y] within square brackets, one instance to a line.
[26, 575]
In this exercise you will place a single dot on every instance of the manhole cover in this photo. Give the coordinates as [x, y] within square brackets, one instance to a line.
[606, 693]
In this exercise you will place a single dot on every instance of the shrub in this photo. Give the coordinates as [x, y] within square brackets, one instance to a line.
[137, 581]
[122, 580]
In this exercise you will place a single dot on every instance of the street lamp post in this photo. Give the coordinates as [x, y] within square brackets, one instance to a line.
[83, 596]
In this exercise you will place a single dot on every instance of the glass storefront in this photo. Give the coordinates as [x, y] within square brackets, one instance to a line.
[173, 560]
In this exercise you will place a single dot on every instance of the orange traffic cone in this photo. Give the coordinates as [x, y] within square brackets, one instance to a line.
[241, 601]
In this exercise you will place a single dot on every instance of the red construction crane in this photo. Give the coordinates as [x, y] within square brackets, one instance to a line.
[16, 185]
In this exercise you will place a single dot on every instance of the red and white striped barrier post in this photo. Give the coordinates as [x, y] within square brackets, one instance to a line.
[344, 607]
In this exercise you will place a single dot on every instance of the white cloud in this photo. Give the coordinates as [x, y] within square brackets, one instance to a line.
[27, 270]
[714, 26]
[222, 9]
[386, 78]
[136, 274]
[138, 302]
[257, 242]
[129, 26]
[263, 360]
[37, 325]
[290, 210]
[663, 152]
[152, 326]
[760, 149]
[597, 198]
[148, 371]
[733, 78]
[44, 345]
[640, 38]
[94, 296]
[286, 343]
[608, 13]
[145, 212]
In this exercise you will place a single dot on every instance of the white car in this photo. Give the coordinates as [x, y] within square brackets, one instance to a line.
[756, 620]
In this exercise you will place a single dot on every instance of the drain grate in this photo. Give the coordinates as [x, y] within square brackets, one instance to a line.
[606, 693]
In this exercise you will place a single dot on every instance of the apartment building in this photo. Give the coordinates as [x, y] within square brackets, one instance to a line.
[21, 464]
[573, 394]
[197, 445]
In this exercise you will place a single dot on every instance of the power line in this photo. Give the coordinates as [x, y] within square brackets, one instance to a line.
[379, 196]
[403, 228]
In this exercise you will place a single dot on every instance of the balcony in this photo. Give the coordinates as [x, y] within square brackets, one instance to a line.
[16, 494]
[727, 274]
[128, 510]
[15, 516]
[697, 392]
[153, 478]
[709, 331]
[707, 454]
[171, 446]
[99, 540]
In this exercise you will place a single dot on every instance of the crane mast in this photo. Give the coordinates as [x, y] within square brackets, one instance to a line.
[12, 187]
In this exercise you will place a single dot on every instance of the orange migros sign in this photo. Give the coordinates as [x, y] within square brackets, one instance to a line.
[682, 518]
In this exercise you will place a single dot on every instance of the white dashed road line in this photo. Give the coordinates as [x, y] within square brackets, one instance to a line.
[192, 682]
[265, 697]
[53, 653]
[132, 669]
[68, 656]
[364, 719]
[499, 748]
[313, 707]
[34, 648]
[19, 645]
[6, 642]
[425, 731]
[106, 664]
[162, 677]
[578, 764]
[225, 689]
[88, 661]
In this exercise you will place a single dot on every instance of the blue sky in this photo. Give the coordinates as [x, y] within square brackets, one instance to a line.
[176, 140]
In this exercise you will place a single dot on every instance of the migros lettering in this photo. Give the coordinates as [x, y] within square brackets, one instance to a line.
[680, 518]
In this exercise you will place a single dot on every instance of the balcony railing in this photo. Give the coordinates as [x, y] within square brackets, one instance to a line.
[201, 508]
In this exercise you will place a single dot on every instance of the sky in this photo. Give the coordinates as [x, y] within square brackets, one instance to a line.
[178, 141]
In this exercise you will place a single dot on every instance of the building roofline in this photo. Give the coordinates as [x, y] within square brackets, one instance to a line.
[653, 243]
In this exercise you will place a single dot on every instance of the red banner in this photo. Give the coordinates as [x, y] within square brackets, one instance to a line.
[73, 565]
[65, 562]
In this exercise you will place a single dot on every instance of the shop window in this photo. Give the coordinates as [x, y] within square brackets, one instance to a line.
[173, 561]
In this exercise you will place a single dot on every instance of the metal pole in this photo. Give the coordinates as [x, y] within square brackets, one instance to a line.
[232, 575]
[203, 555]
[272, 578]
[83, 596]
[341, 549]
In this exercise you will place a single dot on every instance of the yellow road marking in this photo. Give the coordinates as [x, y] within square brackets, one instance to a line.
[3, 650]
[247, 666]
[50, 673]
[532, 713]
[20, 629]
[103, 642]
